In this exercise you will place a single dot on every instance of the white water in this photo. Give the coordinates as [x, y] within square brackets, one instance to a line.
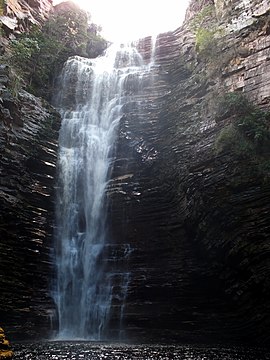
[91, 98]
[154, 43]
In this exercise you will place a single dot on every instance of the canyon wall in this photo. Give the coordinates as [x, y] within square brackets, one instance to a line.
[195, 220]
[28, 141]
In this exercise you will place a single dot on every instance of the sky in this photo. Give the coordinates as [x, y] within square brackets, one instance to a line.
[125, 20]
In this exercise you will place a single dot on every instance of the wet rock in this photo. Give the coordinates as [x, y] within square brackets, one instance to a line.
[5, 348]
[28, 143]
[198, 223]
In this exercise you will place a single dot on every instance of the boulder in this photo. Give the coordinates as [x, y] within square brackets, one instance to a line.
[6, 352]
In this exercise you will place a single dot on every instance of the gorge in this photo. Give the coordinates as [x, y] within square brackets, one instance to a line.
[186, 206]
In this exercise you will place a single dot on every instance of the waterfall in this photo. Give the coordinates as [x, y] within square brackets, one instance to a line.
[154, 41]
[91, 97]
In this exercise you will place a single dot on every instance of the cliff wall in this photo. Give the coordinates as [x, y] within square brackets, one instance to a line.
[19, 15]
[28, 142]
[197, 219]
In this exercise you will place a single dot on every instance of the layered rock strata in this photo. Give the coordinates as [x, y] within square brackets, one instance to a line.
[20, 15]
[191, 225]
[197, 222]
[28, 142]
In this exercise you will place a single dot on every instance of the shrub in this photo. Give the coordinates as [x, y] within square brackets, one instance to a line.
[21, 52]
[204, 26]
[202, 18]
[205, 42]
[230, 139]
[38, 57]
[255, 126]
[248, 134]
[232, 104]
[2, 7]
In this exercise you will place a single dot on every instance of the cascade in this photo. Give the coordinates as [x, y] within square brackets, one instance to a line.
[91, 98]
[154, 43]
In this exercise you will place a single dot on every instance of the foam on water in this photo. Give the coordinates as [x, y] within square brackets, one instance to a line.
[92, 94]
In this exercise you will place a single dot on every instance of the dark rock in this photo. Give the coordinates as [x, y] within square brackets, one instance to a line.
[198, 223]
[28, 145]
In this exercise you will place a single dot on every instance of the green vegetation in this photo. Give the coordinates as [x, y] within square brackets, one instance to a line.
[232, 104]
[205, 41]
[202, 17]
[248, 134]
[2, 7]
[38, 57]
[204, 26]
[231, 139]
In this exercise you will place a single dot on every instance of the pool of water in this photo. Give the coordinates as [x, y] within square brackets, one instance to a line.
[94, 351]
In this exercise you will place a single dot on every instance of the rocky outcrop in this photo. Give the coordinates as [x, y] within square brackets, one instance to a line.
[196, 221]
[20, 15]
[225, 195]
[5, 348]
[239, 14]
[28, 142]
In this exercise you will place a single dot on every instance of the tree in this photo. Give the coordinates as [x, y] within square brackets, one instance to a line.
[38, 57]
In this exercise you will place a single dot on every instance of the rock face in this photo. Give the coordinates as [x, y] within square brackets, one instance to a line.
[28, 141]
[191, 224]
[197, 222]
[20, 15]
[5, 349]
[242, 14]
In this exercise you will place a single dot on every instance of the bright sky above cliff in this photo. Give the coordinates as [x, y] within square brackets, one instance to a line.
[124, 20]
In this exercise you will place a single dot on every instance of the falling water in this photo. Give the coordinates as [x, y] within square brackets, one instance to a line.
[92, 94]
[154, 40]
